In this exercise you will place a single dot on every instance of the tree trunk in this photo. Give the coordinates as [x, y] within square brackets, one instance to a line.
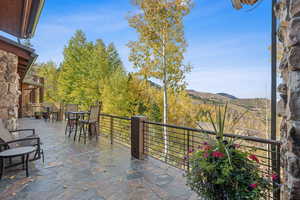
[165, 117]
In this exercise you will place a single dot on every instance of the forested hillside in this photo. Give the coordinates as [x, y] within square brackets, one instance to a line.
[93, 71]
[257, 118]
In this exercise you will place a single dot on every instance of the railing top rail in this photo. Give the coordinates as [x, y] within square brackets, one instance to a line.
[249, 138]
[113, 116]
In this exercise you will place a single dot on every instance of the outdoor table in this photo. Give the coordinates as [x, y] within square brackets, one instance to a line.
[46, 113]
[78, 115]
[15, 152]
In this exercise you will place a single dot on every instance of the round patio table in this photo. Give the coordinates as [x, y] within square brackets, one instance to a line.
[16, 152]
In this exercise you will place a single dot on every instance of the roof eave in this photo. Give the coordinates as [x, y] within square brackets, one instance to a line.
[34, 19]
[30, 63]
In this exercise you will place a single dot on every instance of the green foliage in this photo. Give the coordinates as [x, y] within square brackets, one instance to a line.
[86, 70]
[113, 57]
[74, 70]
[115, 94]
[50, 74]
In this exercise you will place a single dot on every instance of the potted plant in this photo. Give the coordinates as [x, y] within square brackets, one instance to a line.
[220, 170]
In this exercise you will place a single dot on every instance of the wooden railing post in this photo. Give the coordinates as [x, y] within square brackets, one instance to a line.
[60, 114]
[188, 149]
[137, 137]
[277, 195]
[111, 130]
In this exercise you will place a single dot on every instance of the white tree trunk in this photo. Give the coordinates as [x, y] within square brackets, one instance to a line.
[165, 114]
[165, 87]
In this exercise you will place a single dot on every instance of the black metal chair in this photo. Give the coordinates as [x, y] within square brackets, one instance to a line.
[46, 111]
[9, 140]
[53, 113]
[72, 119]
[85, 126]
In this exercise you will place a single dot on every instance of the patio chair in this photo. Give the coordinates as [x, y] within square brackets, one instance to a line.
[47, 109]
[20, 138]
[71, 118]
[85, 126]
[54, 113]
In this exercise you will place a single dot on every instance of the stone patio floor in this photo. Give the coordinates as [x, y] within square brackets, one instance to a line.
[95, 171]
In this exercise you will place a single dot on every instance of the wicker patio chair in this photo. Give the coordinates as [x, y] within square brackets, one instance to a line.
[20, 138]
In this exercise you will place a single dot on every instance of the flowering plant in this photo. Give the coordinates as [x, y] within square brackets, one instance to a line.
[220, 170]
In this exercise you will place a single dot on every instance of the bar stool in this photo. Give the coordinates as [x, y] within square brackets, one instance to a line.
[72, 119]
[85, 126]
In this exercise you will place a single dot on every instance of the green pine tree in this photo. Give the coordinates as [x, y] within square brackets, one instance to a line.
[75, 70]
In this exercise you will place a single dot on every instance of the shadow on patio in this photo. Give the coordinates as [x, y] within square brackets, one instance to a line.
[74, 171]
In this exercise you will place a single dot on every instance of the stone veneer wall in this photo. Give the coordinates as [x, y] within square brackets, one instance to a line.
[9, 89]
[288, 13]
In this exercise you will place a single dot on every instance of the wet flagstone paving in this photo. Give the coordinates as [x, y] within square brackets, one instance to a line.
[95, 171]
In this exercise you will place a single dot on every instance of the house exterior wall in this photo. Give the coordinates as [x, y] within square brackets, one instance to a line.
[31, 100]
[288, 12]
[9, 89]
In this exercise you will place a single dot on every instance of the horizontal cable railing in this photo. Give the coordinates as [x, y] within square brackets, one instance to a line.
[173, 147]
[171, 144]
[118, 129]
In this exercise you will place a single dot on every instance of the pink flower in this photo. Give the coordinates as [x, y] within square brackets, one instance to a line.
[205, 155]
[237, 145]
[274, 177]
[217, 154]
[253, 186]
[206, 147]
[191, 150]
[253, 157]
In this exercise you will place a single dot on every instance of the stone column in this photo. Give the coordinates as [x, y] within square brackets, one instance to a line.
[9, 89]
[288, 13]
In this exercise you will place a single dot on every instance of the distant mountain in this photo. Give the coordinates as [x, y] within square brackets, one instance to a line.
[257, 109]
[258, 105]
[222, 98]
[205, 97]
[227, 95]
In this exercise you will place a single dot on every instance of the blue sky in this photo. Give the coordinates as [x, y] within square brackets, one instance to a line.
[228, 49]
